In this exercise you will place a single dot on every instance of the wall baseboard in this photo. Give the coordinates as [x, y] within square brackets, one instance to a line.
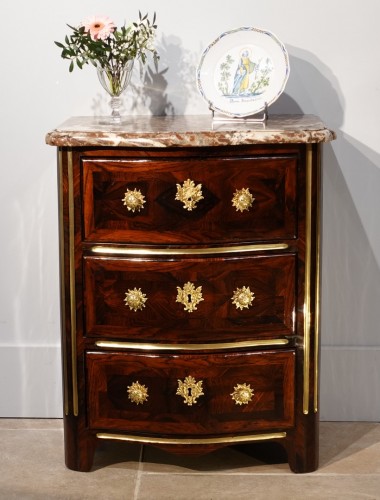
[350, 383]
[31, 382]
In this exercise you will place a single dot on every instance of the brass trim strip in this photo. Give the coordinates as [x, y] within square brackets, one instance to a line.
[74, 374]
[317, 292]
[218, 440]
[62, 287]
[190, 347]
[306, 308]
[101, 249]
[316, 336]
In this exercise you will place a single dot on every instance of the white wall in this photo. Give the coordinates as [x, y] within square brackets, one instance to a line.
[335, 73]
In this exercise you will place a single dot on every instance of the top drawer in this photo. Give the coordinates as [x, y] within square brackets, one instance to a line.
[190, 200]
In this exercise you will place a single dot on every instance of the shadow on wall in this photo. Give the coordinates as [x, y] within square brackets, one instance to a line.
[351, 248]
[351, 240]
[314, 85]
[163, 90]
[171, 88]
[350, 375]
[167, 89]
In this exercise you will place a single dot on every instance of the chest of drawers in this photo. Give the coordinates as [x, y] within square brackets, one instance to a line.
[190, 284]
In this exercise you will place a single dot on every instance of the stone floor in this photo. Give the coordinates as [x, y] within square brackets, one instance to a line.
[32, 467]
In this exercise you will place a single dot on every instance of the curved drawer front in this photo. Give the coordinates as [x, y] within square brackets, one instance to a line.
[194, 299]
[191, 394]
[190, 201]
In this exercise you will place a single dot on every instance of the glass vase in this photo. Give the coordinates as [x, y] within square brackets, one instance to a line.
[115, 81]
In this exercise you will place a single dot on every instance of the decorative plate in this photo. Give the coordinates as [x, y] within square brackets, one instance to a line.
[242, 71]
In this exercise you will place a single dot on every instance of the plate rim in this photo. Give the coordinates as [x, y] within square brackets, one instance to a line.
[260, 108]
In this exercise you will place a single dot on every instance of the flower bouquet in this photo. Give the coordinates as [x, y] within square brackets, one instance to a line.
[112, 51]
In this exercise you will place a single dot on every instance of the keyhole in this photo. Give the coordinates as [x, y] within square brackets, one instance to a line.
[189, 298]
[189, 392]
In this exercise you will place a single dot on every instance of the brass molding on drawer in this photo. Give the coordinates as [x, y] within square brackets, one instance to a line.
[190, 347]
[194, 441]
[108, 250]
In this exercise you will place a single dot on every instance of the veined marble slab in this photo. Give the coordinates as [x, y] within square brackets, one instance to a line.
[189, 130]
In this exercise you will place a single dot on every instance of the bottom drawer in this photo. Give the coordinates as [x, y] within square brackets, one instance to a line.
[195, 394]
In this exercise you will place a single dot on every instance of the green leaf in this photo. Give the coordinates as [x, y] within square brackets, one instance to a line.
[123, 44]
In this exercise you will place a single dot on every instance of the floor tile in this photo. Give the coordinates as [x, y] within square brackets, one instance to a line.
[349, 448]
[257, 487]
[32, 468]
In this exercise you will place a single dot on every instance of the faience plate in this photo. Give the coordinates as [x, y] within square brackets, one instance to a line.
[242, 71]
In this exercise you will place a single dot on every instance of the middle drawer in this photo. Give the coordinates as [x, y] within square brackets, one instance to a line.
[193, 299]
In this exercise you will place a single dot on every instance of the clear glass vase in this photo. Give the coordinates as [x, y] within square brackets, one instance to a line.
[115, 82]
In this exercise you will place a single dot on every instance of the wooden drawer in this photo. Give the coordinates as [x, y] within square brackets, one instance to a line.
[242, 393]
[227, 311]
[163, 219]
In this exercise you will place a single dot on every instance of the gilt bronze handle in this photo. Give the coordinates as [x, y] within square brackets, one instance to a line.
[243, 298]
[135, 299]
[242, 200]
[242, 394]
[133, 200]
[189, 194]
[137, 393]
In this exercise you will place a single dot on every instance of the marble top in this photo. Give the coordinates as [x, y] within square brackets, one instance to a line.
[189, 130]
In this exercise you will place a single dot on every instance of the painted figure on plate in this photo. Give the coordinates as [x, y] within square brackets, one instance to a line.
[244, 69]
